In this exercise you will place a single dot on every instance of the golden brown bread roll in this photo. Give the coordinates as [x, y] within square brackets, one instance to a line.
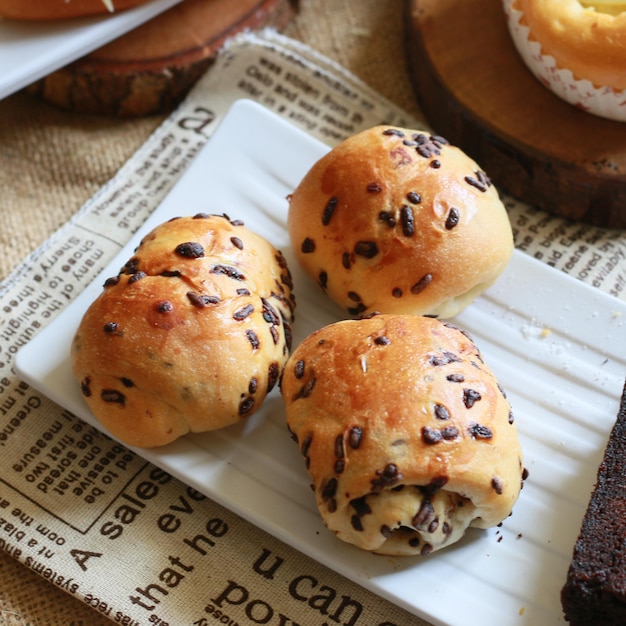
[190, 336]
[398, 221]
[407, 435]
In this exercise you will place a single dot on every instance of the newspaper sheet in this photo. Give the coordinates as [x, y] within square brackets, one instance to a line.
[75, 505]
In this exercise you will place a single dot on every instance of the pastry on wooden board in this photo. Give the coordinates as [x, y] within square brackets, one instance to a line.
[150, 69]
[576, 48]
[479, 94]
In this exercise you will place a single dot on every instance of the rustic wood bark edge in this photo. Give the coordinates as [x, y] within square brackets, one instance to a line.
[102, 83]
[474, 90]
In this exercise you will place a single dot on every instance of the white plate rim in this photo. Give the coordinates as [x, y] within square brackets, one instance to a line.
[393, 579]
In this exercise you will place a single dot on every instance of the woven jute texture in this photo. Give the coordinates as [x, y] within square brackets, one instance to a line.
[52, 161]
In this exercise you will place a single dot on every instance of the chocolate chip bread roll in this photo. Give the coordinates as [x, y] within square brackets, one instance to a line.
[191, 335]
[406, 433]
[399, 221]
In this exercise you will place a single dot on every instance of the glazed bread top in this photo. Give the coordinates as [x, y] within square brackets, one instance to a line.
[395, 220]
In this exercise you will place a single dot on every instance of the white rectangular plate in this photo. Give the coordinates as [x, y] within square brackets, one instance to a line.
[31, 50]
[556, 345]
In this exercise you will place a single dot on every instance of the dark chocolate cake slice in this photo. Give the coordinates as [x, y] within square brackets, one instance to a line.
[595, 591]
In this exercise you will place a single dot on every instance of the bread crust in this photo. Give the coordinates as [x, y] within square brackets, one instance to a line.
[60, 9]
[591, 44]
[179, 342]
[395, 220]
[406, 433]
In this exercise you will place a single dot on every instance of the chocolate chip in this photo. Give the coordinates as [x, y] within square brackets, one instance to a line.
[355, 436]
[237, 242]
[407, 220]
[470, 397]
[421, 284]
[431, 436]
[135, 277]
[273, 372]
[435, 485]
[323, 279]
[200, 300]
[498, 485]
[382, 341]
[130, 267]
[298, 369]
[385, 531]
[306, 389]
[388, 218]
[441, 412]
[393, 132]
[164, 306]
[361, 506]
[424, 516]
[227, 270]
[269, 313]
[481, 182]
[110, 327]
[113, 396]
[374, 188]
[387, 477]
[339, 453]
[329, 489]
[444, 358]
[453, 218]
[308, 246]
[357, 310]
[253, 338]
[455, 378]
[449, 433]
[478, 431]
[85, 386]
[367, 249]
[427, 548]
[246, 406]
[243, 312]
[413, 197]
[190, 250]
[329, 209]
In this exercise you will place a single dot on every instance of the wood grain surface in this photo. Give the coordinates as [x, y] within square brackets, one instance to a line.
[150, 69]
[475, 91]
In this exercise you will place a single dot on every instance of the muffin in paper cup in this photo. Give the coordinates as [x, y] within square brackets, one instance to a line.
[576, 48]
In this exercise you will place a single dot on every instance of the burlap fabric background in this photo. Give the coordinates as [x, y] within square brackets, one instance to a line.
[51, 162]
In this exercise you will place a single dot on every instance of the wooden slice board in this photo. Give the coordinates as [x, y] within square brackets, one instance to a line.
[475, 90]
[150, 69]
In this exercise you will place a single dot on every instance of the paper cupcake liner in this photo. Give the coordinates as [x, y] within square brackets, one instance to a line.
[601, 101]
